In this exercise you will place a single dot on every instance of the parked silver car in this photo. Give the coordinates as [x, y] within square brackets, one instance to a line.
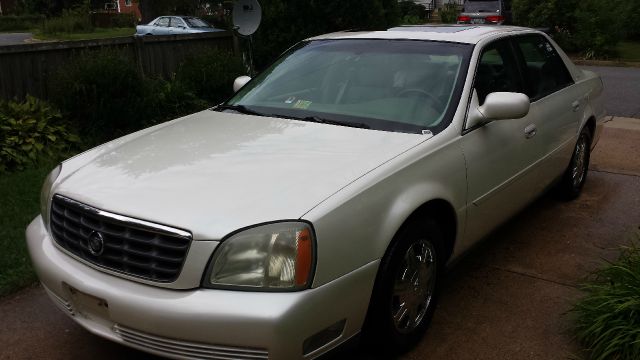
[325, 199]
[495, 12]
[173, 25]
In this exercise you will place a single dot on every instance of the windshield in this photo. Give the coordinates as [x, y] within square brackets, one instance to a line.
[394, 85]
[195, 22]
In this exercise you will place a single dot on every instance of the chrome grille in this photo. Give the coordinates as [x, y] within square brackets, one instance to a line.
[131, 246]
[188, 350]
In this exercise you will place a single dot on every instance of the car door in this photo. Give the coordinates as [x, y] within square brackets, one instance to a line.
[178, 26]
[556, 103]
[498, 154]
[161, 26]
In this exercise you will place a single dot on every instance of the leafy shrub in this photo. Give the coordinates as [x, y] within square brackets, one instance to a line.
[30, 129]
[210, 74]
[69, 22]
[590, 27]
[412, 13]
[166, 100]
[17, 23]
[113, 20]
[100, 91]
[608, 318]
[285, 22]
[449, 13]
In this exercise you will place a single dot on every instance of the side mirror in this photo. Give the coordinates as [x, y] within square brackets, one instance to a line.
[497, 106]
[239, 82]
[505, 105]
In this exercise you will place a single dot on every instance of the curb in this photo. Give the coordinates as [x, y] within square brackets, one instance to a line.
[617, 63]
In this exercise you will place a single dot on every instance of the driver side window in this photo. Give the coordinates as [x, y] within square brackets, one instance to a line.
[163, 22]
[497, 71]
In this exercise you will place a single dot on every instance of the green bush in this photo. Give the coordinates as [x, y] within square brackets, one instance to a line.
[20, 23]
[210, 74]
[412, 13]
[590, 27]
[111, 20]
[166, 100]
[101, 93]
[29, 130]
[608, 318]
[449, 13]
[285, 22]
[69, 22]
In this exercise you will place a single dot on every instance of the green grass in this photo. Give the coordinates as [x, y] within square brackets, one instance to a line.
[607, 319]
[98, 33]
[19, 204]
[629, 51]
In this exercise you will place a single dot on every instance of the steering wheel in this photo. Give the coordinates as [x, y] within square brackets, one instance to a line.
[434, 99]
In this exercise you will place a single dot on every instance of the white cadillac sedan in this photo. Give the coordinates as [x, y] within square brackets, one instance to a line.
[324, 200]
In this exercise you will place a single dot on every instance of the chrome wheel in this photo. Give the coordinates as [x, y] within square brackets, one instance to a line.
[578, 171]
[414, 286]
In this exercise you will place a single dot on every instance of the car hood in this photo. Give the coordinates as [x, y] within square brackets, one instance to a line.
[212, 173]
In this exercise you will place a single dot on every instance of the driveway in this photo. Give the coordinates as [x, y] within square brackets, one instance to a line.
[14, 38]
[622, 89]
[508, 299]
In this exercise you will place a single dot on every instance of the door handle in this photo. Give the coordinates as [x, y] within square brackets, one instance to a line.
[576, 105]
[530, 131]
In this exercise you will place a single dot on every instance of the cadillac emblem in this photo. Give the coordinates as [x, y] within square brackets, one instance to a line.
[95, 243]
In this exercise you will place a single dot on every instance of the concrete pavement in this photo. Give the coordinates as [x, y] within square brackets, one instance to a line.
[14, 38]
[508, 299]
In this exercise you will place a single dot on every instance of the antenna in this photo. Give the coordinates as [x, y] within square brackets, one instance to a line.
[247, 15]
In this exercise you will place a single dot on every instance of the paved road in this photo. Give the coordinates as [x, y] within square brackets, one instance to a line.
[506, 300]
[622, 89]
[14, 38]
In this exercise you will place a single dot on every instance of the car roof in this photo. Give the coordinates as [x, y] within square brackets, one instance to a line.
[467, 34]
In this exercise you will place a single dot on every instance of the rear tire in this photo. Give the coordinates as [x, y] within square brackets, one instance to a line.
[575, 176]
[406, 289]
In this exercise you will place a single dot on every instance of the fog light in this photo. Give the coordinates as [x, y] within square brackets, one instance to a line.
[323, 337]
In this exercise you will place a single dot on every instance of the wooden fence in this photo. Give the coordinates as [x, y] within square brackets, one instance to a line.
[26, 68]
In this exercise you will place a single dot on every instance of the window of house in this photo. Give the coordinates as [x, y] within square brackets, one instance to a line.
[545, 72]
[127, 2]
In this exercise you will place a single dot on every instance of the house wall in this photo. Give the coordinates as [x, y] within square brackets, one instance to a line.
[133, 8]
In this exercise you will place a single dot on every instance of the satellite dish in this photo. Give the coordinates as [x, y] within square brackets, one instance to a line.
[247, 15]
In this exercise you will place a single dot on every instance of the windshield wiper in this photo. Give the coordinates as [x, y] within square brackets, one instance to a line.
[317, 119]
[239, 108]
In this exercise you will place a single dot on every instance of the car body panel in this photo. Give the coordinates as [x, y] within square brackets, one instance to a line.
[207, 172]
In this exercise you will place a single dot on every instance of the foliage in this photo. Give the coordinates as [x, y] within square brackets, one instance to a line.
[113, 20]
[18, 23]
[100, 91]
[166, 100]
[69, 22]
[449, 13]
[608, 318]
[210, 74]
[20, 203]
[412, 13]
[285, 22]
[29, 130]
[591, 27]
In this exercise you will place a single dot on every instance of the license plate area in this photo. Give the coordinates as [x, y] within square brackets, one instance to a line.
[88, 306]
[477, 21]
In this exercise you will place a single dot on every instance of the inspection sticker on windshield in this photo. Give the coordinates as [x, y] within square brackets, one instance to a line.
[302, 104]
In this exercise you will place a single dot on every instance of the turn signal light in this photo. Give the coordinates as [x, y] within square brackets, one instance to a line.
[464, 19]
[494, 19]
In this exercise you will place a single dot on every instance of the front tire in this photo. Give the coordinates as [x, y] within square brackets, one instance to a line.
[576, 174]
[406, 290]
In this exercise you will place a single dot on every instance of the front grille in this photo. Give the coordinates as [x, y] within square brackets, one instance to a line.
[188, 350]
[134, 247]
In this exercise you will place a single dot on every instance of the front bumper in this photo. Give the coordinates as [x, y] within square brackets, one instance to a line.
[199, 323]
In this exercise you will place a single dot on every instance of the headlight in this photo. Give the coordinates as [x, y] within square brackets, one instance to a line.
[45, 194]
[278, 256]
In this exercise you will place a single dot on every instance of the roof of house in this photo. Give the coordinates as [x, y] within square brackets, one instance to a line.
[468, 34]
